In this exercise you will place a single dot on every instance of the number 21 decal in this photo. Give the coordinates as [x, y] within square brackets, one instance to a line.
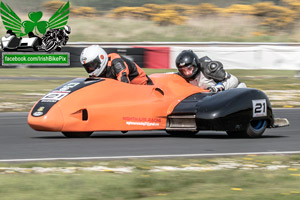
[259, 107]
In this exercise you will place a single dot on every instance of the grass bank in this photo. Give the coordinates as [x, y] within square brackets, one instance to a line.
[248, 177]
[204, 29]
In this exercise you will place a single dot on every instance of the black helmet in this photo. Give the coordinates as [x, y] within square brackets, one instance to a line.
[188, 60]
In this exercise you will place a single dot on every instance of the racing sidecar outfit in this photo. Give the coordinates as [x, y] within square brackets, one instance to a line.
[125, 70]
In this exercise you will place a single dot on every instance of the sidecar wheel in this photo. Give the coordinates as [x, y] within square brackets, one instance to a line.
[77, 134]
[255, 129]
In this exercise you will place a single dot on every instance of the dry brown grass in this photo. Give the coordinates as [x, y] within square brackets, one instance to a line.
[213, 28]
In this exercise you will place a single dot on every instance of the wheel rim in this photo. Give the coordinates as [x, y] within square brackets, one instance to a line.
[257, 125]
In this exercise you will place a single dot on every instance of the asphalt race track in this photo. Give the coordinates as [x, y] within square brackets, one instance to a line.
[19, 141]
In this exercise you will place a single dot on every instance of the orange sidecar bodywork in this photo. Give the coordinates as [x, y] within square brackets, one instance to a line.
[110, 105]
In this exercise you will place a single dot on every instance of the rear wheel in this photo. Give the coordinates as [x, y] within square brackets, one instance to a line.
[182, 133]
[77, 134]
[255, 129]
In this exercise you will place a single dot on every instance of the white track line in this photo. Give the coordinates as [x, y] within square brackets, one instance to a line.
[151, 156]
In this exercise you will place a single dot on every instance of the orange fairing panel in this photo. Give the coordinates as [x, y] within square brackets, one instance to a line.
[111, 105]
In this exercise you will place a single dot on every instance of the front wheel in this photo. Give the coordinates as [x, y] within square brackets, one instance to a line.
[182, 133]
[49, 44]
[77, 134]
[255, 129]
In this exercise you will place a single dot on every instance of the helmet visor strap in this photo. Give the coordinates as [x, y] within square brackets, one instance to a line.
[91, 66]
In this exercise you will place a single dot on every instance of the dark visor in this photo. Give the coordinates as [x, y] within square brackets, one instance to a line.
[91, 66]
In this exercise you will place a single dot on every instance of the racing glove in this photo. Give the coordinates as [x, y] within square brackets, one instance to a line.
[217, 88]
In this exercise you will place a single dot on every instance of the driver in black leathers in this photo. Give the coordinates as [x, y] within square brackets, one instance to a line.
[205, 73]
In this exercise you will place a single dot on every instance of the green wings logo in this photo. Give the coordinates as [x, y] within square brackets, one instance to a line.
[12, 21]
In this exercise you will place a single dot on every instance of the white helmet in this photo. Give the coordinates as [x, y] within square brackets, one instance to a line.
[94, 60]
[67, 29]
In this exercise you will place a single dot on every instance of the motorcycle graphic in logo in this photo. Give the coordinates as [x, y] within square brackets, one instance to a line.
[55, 31]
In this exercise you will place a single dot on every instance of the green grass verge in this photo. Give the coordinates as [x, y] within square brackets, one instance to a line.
[142, 183]
[269, 79]
[20, 94]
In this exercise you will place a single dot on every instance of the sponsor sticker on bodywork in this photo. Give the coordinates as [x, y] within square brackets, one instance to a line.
[142, 121]
[39, 111]
[68, 86]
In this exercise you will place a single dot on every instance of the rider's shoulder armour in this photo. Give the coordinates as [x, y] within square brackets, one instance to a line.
[214, 70]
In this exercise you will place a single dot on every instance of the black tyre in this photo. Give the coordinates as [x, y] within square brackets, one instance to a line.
[77, 134]
[255, 129]
[182, 133]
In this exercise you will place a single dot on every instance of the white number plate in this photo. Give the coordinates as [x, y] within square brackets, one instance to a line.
[259, 108]
[54, 96]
